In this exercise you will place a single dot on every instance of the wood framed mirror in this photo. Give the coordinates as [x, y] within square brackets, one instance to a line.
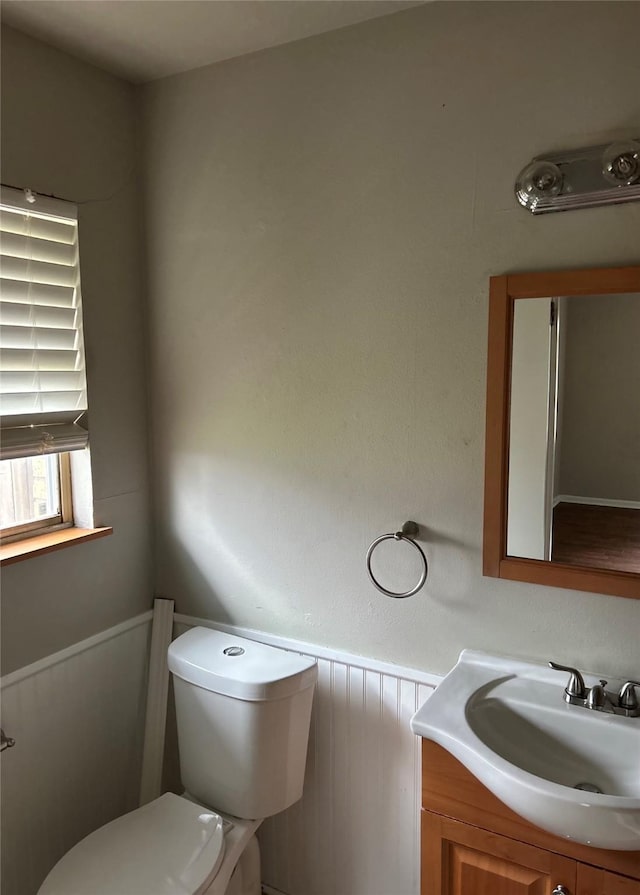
[562, 464]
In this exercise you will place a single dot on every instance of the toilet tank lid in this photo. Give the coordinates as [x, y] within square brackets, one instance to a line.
[237, 667]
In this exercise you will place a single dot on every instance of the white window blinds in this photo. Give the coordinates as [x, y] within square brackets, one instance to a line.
[43, 390]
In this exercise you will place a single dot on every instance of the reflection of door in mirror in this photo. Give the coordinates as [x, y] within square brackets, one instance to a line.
[574, 441]
[532, 429]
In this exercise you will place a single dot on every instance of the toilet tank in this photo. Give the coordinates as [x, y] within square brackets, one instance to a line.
[243, 711]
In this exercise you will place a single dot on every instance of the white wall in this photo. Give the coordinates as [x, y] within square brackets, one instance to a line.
[69, 129]
[77, 718]
[323, 219]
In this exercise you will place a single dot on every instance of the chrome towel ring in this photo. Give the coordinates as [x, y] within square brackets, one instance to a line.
[408, 533]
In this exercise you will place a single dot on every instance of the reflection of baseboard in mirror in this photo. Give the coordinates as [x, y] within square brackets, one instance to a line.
[584, 438]
[596, 501]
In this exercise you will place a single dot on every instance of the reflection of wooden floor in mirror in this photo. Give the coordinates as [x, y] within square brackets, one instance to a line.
[600, 537]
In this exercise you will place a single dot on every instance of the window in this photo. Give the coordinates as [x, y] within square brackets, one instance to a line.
[35, 494]
[43, 393]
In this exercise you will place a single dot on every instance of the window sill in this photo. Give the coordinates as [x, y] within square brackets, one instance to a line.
[47, 543]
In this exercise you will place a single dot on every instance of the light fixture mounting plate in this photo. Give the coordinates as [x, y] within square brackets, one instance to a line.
[584, 178]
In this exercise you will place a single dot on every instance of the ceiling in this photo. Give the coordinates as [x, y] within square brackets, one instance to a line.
[142, 40]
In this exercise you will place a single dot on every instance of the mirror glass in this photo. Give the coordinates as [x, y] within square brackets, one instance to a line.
[573, 493]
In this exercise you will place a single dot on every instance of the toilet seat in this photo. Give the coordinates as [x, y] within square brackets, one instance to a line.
[170, 846]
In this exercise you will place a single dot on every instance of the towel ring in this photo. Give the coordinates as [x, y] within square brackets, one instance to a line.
[408, 532]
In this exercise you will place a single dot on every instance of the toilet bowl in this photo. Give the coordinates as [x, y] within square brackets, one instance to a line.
[243, 711]
[171, 846]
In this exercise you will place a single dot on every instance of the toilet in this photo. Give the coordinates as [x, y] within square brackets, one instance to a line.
[243, 711]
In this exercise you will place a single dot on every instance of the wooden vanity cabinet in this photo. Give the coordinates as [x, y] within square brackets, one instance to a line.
[472, 844]
[459, 859]
[595, 881]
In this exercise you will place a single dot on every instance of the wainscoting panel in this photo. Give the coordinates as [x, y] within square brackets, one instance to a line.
[356, 829]
[77, 718]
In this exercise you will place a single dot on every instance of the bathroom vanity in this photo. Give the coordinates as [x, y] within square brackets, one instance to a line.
[528, 788]
[473, 844]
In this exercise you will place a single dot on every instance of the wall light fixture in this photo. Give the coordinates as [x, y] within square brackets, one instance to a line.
[581, 178]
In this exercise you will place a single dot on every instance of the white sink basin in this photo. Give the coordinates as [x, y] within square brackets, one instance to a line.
[506, 721]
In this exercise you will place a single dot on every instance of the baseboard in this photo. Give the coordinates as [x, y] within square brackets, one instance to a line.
[597, 501]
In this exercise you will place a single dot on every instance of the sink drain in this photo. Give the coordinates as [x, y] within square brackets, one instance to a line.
[588, 787]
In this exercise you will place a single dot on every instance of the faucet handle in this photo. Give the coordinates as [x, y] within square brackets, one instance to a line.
[627, 698]
[576, 687]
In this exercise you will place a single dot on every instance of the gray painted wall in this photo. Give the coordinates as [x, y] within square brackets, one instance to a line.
[69, 129]
[600, 454]
[323, 219]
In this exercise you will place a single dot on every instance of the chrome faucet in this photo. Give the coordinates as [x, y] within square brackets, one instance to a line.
[598, 698]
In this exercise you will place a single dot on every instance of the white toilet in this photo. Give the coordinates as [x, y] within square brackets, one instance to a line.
[243, 712]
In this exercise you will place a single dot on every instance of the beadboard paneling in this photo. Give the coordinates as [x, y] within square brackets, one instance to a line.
[77, 719]
[356, 829]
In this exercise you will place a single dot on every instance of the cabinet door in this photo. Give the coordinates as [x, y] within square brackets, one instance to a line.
[592, 881]
[458, 859]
